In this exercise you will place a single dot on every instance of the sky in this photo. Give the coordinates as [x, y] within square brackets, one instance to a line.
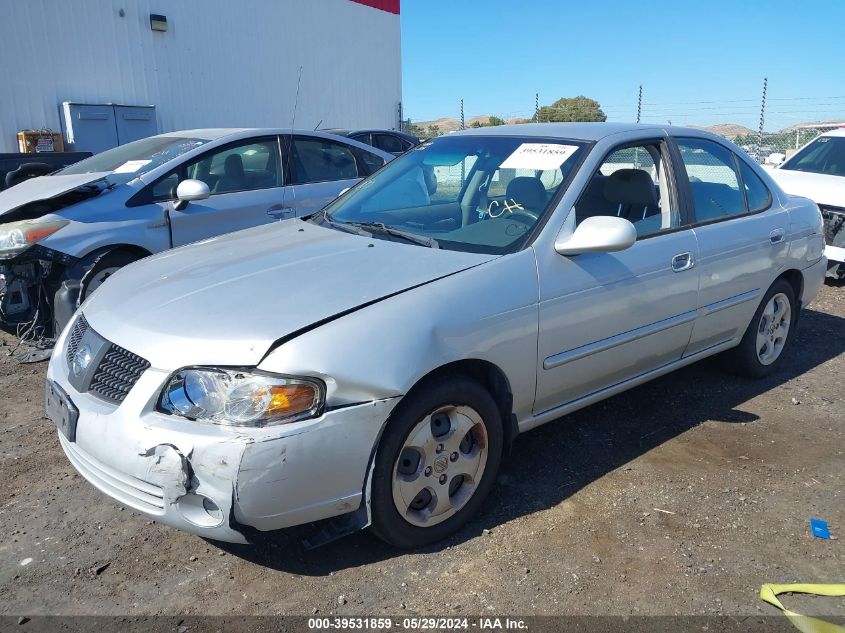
[698, 62]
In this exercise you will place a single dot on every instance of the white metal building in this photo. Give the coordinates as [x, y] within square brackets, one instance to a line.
[219, 63]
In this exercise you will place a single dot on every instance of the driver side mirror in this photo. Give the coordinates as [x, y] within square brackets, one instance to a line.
[190, 191]
[598, 234]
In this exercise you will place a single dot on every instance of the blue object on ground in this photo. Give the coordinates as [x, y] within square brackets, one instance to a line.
[819, 528]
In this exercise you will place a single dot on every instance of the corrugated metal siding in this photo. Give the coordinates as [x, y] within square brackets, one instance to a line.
[220, 64]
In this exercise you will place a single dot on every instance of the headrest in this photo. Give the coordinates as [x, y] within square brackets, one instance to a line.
[233, 167]
[631, 186]
[527, 191]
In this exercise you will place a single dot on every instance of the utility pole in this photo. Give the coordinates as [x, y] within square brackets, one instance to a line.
[640, 103]
[762, 116]
[536, 107]
[463, 127]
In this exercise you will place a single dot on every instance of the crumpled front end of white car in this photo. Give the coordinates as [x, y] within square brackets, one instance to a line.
[216, 480]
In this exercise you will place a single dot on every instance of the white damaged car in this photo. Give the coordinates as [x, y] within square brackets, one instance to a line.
[817, 171]
[372, 362]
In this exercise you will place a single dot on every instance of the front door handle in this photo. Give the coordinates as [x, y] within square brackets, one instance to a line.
[281, 212]
[776, 236]
[682, 261]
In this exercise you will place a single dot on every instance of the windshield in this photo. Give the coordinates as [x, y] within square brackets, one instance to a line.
[133, 159]
[469, 193]
[825, 155]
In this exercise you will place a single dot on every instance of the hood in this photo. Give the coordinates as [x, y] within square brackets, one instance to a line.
[820, 188]
[226, 300]
[43, 188]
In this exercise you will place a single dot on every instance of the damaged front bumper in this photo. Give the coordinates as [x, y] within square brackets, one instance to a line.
[213, 480]
[834, 233]
[28, 283]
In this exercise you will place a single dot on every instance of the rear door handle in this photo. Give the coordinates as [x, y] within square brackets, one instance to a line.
[281, 212]
[776, 236]
[682, 261]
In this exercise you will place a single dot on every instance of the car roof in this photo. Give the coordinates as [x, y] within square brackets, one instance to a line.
[365, 130]
[214, 134]
[580, 131]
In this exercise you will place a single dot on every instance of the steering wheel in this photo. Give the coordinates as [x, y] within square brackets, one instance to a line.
[529, 217]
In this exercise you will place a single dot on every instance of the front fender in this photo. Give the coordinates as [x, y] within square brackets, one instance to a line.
[488, 313]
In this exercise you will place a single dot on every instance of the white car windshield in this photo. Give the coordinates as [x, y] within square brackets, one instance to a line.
[129, 161]
[825, 155]
[470, 193]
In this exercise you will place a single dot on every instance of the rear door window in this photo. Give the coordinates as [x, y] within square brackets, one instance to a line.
[388, 143]
[713, 179]
[321, 160]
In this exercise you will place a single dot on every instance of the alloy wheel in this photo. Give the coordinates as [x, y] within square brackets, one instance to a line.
[773, 329]
[440, 465]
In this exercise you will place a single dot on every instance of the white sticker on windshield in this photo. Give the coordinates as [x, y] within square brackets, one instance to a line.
[539, 156]
[131, 166]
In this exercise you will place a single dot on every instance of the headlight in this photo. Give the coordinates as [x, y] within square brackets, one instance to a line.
[241, 398]
[16, 237]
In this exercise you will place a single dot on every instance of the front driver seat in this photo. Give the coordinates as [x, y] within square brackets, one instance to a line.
[633, 192]
[233, 178]
[527, 191]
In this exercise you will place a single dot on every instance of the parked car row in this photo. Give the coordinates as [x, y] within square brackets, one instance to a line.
[370, 362]
[62, 235]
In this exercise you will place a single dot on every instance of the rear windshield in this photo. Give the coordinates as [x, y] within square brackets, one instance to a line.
[129, 161]
[825, 155]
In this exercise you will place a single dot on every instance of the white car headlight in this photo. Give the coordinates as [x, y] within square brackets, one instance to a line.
[241, 398]
[16, 237]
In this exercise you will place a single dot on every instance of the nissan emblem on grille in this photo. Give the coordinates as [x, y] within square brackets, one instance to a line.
[100, 367]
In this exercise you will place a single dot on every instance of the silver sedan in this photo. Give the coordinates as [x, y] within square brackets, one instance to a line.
[372, 363]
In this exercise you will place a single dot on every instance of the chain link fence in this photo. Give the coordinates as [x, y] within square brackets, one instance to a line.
[770, 125]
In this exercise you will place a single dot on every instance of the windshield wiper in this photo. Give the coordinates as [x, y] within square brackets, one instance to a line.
[384, 229]
[346, 227]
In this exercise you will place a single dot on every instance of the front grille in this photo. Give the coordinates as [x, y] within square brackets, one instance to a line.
[118, 369]
[79, 329]
[118, 372]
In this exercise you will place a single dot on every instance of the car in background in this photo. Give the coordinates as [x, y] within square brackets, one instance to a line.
[63, 235]
[374, 361]
[390, 141]
[817, 171]
[15, 168]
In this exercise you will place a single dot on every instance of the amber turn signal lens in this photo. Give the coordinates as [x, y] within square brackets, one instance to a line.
[291, 399]
[33, 236]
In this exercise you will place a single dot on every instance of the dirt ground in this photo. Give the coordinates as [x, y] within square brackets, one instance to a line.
[678, 497]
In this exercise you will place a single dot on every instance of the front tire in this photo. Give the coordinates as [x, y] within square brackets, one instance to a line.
[436, 462]
[769, 335]
[103, 268]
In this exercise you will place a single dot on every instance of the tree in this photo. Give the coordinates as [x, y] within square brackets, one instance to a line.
[433, 130]
[413, 128]
[492, 121]
[573, 109]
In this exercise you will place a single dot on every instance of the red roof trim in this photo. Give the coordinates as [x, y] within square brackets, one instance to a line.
[391, 6]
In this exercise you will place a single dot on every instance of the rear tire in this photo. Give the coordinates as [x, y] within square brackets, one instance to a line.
[436, 461]
[769, 335]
